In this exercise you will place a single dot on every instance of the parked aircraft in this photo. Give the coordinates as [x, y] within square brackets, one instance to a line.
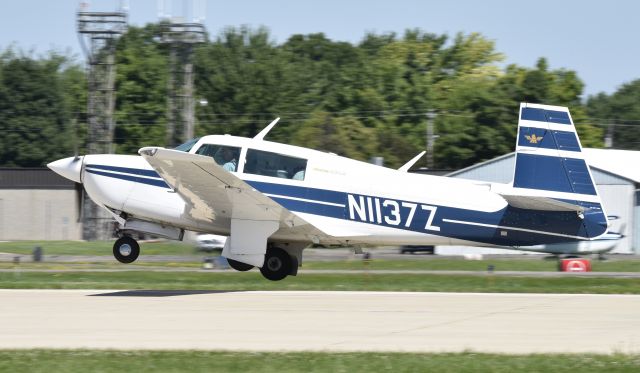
[273, 200]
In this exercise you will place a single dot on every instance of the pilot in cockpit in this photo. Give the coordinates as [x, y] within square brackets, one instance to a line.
[230, 159]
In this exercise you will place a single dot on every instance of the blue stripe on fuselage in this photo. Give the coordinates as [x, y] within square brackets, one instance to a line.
[383, 211]
[134, 171]
[299, 192]
[142, 180]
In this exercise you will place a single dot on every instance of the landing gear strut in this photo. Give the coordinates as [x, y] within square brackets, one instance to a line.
[126, 249]
[277, 264]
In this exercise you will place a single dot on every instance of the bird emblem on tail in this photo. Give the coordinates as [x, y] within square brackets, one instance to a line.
[533, 139]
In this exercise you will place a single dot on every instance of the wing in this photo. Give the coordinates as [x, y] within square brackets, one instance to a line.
[212, 193]
[215, 195]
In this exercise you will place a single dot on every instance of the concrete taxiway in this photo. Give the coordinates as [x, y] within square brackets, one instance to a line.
[325, 321]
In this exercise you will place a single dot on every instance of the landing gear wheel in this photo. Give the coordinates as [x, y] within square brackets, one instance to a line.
[277, 264]
[239, 266]
[126, 250]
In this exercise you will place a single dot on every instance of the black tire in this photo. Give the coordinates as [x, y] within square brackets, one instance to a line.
[277, 264]
[126, 250]
[239, 266]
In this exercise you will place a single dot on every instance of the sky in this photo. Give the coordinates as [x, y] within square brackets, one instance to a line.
[598, 39]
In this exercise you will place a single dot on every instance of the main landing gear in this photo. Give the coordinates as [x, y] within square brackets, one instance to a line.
[239, 266]
[278, 264]
[126, 249]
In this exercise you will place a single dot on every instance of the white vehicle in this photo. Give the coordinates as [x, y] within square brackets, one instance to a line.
[210, 242]
[273, 200]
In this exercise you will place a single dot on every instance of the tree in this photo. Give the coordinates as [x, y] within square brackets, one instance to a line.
[141, 85]
[342, 135]
[621, 110]
[34, 115]
[242, 76]
[359, 100]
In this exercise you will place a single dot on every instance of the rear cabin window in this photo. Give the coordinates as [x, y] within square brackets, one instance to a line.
[275, 165]
[225, 156]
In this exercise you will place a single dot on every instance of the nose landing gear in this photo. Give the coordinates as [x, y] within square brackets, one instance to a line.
[126, 249]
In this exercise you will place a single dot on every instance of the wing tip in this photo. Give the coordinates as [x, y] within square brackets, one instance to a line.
[149, 151]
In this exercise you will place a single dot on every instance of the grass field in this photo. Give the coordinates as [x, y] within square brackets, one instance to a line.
[48, 361]
[460, 264]
[428, 264]
[141, 278]
[93, 248]
[411, 262]
[235, 281]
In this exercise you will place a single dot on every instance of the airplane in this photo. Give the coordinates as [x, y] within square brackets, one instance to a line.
[273, 200]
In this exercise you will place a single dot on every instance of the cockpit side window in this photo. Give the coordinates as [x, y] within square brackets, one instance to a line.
[187, 145]
[275, 165]
[225, 156]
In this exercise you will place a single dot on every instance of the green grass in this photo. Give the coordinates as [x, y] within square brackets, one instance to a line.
[413, 262]
[110, 265]
[93, 248]
[432, 263]
[308, 281]
[49, 361]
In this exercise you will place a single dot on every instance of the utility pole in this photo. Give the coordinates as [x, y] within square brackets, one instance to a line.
[181, 36]
[98, 33]
[608, 137]
[431, 115]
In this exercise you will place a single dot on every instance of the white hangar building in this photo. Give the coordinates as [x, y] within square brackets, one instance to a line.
[37, 204]
[617, 177]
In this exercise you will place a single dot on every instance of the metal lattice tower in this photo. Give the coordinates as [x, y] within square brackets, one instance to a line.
[98, 33]
[182, 37]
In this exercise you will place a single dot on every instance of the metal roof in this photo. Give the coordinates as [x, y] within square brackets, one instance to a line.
[621, 163]
[624, 163]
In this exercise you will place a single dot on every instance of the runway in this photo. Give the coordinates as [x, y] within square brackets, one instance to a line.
[319, 321]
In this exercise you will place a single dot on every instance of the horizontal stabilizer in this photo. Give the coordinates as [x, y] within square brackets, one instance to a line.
[540, 203]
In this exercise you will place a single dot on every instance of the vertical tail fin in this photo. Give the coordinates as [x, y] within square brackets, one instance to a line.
[551, 172]
[549, 156]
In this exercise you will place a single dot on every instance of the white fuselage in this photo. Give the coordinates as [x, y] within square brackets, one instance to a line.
[118, 187]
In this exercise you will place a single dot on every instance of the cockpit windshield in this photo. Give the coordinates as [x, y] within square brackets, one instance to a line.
[187, 145]
[225, 156]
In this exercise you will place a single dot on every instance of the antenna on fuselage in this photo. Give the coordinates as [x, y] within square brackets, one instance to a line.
[407, 166]
[263, 133]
